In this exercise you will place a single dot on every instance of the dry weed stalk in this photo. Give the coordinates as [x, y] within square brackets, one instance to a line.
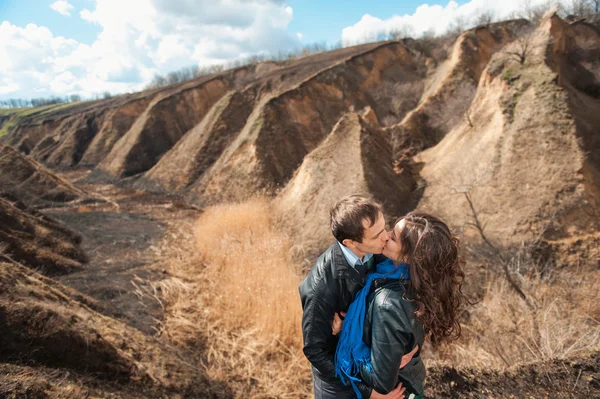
[503, 331]
[233, 295]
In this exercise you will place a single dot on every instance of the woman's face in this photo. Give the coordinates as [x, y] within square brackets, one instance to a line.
[393, 246]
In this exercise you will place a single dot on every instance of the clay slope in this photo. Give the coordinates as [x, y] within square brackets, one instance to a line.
[530, 161]
[47, 129]
[257, 137]
[116, 124]
[202, 146]
[36, 240]
[166, 119]
[355, 158]
[452, 88]
[68, 142]
[31, 182]
[45, 327]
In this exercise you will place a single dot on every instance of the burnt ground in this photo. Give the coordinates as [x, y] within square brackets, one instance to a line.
[121, 235]
[118, 236]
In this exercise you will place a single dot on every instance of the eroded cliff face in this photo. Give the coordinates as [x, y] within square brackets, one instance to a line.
[452, 88]
[527, 160]
[116, 124]
[355, 158]
[521, 137]
[168, 117]
[283, 128]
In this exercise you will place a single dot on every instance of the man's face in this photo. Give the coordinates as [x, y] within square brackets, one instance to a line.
[374, 238]
[393, 246]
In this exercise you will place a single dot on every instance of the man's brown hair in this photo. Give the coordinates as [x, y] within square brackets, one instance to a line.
[347, 217]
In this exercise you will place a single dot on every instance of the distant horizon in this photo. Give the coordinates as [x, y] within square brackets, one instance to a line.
[83, 48]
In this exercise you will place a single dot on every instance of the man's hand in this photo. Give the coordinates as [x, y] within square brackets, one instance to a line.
[337, 323]
[397, 393]
[408, 357]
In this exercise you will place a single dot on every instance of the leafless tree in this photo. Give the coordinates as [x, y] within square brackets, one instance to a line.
[582, 8]
[459, 25]
[469, 121]
[504, 260]
[484, 17]
[523, 48]
[401, 32]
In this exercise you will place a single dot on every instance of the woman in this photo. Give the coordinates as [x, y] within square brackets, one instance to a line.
[414, 294]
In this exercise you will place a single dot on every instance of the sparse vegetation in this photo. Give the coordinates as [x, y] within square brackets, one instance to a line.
[9, 117]
[502, 331]
[234, 296]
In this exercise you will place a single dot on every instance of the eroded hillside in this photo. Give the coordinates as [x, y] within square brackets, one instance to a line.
[504, 129]
[528, 154]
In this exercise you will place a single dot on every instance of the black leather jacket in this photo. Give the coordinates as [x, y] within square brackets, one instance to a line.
[391, 331]
[330, 287]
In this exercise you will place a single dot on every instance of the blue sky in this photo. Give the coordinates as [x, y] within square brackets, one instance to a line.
[23, 12]
[320, 20]
[323, 20]
[63, 47]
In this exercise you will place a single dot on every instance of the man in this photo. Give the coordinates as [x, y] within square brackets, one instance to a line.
[358, 225]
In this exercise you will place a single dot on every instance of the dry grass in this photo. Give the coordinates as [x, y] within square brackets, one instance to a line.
[503, 331]
[234, 296]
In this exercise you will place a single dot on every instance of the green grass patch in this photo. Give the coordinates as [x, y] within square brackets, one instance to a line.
[4, 129]
[10, 111]
[16, 114]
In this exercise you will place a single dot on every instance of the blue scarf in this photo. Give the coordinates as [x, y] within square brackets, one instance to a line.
[351, 352]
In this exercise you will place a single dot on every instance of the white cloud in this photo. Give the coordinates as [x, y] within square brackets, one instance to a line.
[8, 86]
[62, 7]
[299, 35]
[138, 39]
[63, 83]
[435, 18]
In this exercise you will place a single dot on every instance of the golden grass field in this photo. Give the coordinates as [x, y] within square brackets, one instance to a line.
[233, 295]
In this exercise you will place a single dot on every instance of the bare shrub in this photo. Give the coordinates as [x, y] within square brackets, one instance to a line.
[234, 296]
[400, 98]
[502, 331]
[581, 8]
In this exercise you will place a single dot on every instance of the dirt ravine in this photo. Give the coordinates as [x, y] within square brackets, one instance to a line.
[90, 192]
[119, 235]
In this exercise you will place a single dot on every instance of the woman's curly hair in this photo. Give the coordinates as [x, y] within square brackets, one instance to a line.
[436, 276]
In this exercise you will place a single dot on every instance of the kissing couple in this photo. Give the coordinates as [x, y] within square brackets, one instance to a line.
[372, 299]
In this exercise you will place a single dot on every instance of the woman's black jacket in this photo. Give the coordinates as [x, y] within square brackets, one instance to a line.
[391, 331]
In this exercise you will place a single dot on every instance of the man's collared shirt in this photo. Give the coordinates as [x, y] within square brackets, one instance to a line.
[351, 257]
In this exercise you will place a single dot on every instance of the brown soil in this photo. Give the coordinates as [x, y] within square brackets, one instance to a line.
[115, 126]
[352, 159]
[452, 88]
[46, 332]
[530, 159]
[37, 240]
[570, 378]
[120, 236]
[295, 118]
[33, 183]
[166, 119]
